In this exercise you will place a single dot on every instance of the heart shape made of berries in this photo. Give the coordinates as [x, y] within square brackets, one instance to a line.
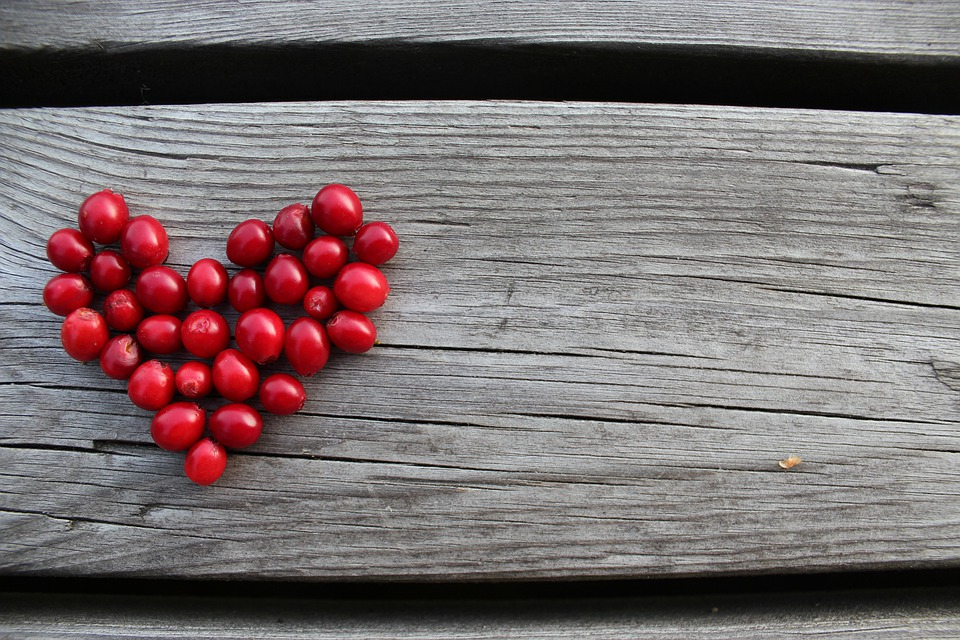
[318, 275]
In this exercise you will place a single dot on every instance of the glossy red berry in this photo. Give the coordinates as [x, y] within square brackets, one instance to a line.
[282, 394]
[250, 243]
[70, 251]
[320, 303]
[361, 287]
[67, 292]
[337, 210]
[205, 461]
[351, 331]
[205, 333]
[144, 242]
[246, 291]
[325, 256]
[178, 426]
[109, 271]
[235, 376]
[194, 379]
[259, 334]
[161, 290]
[120, 357]
[160, 334]
[151, 385]
[376, 243]
[236, 425]
[286, 280]
[122, 310]
[207, 283]
[293, 227]
[306, 346]
[103, 216]
[84, 334]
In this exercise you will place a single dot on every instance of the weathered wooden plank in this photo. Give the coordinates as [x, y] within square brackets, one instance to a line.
[608, 323]
[925, 29]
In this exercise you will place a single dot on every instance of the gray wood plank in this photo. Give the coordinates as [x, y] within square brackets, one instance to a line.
[608, 324]
[927, 29]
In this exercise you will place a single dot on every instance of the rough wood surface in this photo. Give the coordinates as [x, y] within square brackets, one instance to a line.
[608, 324]
[923, 29]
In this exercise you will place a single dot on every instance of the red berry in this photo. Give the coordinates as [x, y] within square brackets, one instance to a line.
[246, 291]
[84, 334]
[259, 334]
[109, 271]
[351, 331]
[122, 310]
[376, 242]
[306, 346]
[205, 461]
[161, 290]
[286, 280]
[68, 250]
[103, 216]
[361, 287]
[293, 227]
[194, 379]
[250, 243]
[120, 357]
[151, 385]
[160, 334]
[325, 256]
[66, 293]
[207, 283]
[144, 242]
[235, 375]
[337, 210]
[205, 333]
[320, 303]
[178, 426]
[236, 425]
[282, 394]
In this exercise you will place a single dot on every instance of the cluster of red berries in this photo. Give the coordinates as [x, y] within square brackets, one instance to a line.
[146, 321]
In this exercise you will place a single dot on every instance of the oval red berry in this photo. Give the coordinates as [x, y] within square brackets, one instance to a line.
[70, 251]
[205, 462]
[178, 426]
[103, 217]
[84, 334]
[236, 425]
[144, 242]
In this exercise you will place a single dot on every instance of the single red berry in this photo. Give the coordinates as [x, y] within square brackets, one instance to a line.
[205, 333]
[236, 425]
[151, 385]
[325, 256]
[205, 461]
[178, 426]
[109, 271]
[293, 227]
[259, 334]
[361, 287]
[286, 280]
[67, 292]
[376, 243]
[68, 250]
[103, 216]
[144, 242]
[337, 210]
[120, 357]
[122, 310]
[282, 394]
[160, 334]
[306, 346]
[207, 283]
[246, 291]
[235, 376]
[194, 379]
[320, 303]
[250, 243]
[84, 334]
[161, 290]
[351, 331]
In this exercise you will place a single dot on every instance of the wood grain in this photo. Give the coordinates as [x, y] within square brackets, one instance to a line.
[608, 324]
